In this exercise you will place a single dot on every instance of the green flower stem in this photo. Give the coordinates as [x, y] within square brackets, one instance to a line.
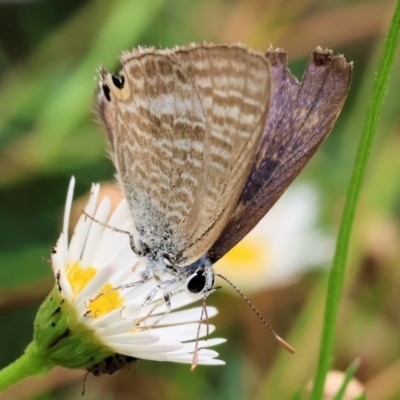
[31, 363]
[336, 276]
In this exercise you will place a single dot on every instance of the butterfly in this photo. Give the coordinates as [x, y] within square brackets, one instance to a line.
[205, 139]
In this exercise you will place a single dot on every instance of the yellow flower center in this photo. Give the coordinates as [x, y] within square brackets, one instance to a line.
[79, 277]
[243, 254]
[106, 300]
[248, 263]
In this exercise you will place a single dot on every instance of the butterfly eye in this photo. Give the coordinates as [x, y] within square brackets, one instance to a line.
[118, 82]
[197, 282]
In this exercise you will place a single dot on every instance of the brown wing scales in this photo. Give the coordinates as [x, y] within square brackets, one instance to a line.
[185, 127]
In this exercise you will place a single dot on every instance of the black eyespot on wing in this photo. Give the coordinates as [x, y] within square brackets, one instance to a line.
[301, 116]
[106, 91]
[118, 82]
[197, 282]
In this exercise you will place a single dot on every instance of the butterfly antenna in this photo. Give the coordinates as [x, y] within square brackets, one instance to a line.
[120, 287]
[283, 343]
[195, 360]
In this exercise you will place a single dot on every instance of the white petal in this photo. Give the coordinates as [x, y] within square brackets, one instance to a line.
[131, 311]
[181, 317]
[134, 338]
[189, 348]
[81, 231]
[57, 260]
[67, 213]
[95, 232]
[202, 360]
[179, 300]
[184, 332]
[132, 349]
[112, 323]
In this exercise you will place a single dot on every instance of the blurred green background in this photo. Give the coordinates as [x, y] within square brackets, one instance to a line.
[49, 52]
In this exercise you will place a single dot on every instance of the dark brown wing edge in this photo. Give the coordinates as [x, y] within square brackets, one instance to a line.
[300, 118]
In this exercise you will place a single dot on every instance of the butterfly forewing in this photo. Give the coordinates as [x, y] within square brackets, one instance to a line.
[158, 131]
[300, 118]
[234, 87]
[185, 125]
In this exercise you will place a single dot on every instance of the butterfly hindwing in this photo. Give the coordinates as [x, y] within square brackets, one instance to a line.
[301, 116]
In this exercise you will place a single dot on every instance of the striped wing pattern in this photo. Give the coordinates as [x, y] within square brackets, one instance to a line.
[184, 128]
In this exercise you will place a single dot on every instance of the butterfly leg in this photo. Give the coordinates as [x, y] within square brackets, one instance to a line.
[167, 288]
[114, 229]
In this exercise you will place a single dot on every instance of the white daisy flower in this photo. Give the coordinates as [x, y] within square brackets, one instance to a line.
[98, 307]
[284, 244]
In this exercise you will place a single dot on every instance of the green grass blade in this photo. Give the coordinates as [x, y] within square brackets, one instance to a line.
[297, 395]
[362, 397]
[348, 376]
[336, 277]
